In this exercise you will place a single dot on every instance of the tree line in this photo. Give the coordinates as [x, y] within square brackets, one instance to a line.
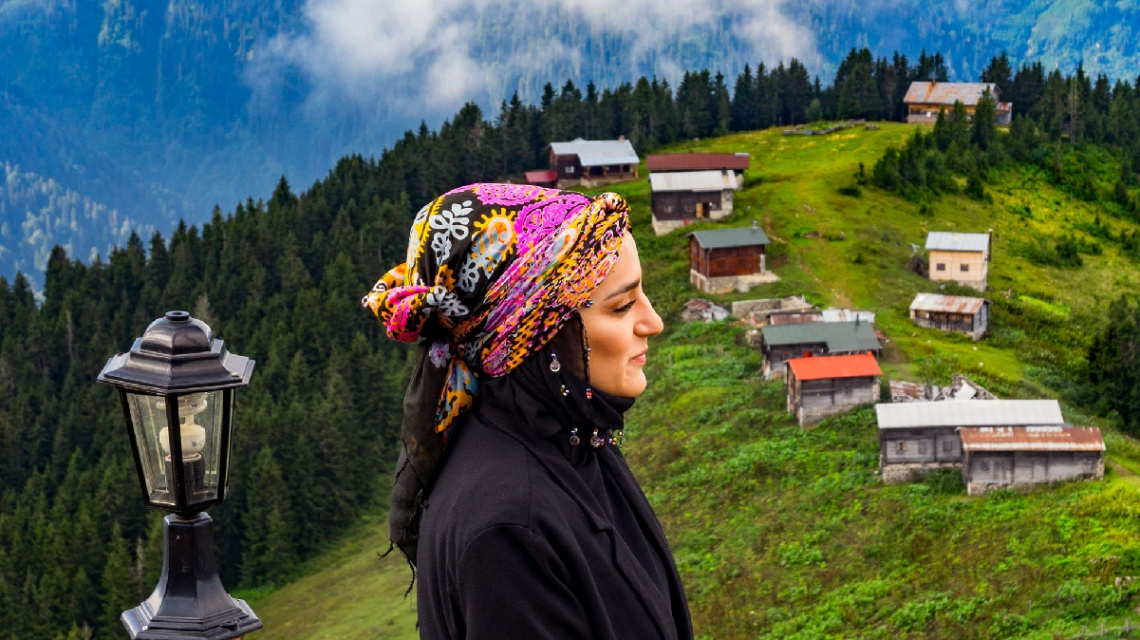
[280, 281]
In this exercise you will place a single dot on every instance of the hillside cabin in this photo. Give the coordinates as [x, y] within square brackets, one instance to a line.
[999, 457]
[721, 260]
[925, 99]
[679, 199]
[590, 163]
[543, 178]
[782, 342]
[970, 316]
[823, 386]
[916, 438]
[737, 163]
[963, 258]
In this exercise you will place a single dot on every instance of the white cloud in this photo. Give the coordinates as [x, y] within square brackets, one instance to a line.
[428, 57]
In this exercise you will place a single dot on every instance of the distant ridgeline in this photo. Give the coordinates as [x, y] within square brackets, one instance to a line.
[280, 280]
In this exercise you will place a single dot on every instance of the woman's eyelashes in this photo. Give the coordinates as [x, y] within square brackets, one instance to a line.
[623, 309]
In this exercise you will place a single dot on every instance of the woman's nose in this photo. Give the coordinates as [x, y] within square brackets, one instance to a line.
[650, 323]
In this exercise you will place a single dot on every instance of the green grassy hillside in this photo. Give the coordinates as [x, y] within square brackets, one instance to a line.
[781, 532]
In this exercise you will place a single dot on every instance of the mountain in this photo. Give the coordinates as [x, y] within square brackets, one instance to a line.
[159, 111]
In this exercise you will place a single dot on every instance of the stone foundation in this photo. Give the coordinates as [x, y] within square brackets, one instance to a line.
[904, 473]
[726, 284]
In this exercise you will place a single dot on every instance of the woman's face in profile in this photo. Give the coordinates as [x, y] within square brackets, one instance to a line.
[618, 327]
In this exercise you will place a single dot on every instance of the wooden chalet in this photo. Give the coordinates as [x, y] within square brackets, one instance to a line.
[721, 260]
[737, 163]
[998, 457]
[590, 163]
[542, 178]
[782, 342]
[916, 438]
[823, 386]
[963, 258]
[925, 99]
[971, 316]
[677, 199]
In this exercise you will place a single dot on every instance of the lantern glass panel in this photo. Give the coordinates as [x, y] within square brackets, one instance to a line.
[209, 419]
[148, 419]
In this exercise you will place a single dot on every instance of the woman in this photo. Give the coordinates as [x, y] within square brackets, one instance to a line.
[511, 495]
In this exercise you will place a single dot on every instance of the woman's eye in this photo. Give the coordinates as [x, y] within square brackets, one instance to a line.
[625, 307]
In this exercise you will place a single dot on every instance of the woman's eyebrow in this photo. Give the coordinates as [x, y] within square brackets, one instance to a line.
[626, 289]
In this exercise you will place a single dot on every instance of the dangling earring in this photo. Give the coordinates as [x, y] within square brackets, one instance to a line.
[555, 366]
[574, 439]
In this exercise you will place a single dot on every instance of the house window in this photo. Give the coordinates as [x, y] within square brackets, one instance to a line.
[965, 267]
[668, 208]
[941, 266]
[947, 446]
[902, 446]
[689, 208]
[847, 392]
[570, 169]
[921, 447]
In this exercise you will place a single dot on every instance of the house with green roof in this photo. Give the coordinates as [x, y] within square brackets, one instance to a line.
[721, 260]
[782, 342]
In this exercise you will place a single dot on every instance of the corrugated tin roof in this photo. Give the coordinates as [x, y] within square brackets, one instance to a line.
[838, 336]
[697, 161]
[1063, 438]
[716, 180]
[724, 238]
[541, 176]
[859, 365]
[901, 390]
[847, 315]
[979, 413]
[597, 153]
[947, 304]
[794, 317]
[947, 93]
[951, 241]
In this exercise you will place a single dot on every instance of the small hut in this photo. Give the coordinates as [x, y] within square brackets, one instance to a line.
[591, 163]
[721, 260]
[996, 457]
[963, 258]
[971, 316]
[782, 342]
[681, 198]
[819, 387]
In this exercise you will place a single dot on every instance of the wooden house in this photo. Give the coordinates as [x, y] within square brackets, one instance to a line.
[918, 437]
[823, 386]
[782, 342]
[591, 163]
[721, 260]
[925, 99]
[737, 163]
[997, 457]
[971, 316]
[543, 178]
[963, 258]
[678, 199]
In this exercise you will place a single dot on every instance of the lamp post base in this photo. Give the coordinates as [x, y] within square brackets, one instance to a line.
[189, 602]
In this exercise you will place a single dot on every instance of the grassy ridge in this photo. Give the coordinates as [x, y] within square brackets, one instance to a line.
[781, 532]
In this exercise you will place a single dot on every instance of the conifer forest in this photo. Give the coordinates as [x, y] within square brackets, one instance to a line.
[280, 279]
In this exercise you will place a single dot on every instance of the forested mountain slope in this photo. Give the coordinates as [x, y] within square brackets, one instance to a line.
[160, 110]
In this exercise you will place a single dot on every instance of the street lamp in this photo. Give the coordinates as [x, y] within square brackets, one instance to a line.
[176, 386]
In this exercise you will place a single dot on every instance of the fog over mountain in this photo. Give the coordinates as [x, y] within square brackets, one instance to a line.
[157, 111]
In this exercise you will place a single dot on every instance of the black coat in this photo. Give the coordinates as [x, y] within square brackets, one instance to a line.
[514, 543]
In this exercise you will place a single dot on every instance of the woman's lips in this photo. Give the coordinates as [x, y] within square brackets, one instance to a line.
[639, 358]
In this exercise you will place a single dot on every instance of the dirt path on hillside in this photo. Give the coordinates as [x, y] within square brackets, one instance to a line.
[843, 300]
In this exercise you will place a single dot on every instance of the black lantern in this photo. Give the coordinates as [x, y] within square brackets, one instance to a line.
[176, 385]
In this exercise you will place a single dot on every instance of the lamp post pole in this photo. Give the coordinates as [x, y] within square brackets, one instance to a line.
[176, 387]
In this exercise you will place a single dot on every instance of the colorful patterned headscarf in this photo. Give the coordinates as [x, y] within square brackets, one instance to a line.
[493, 272]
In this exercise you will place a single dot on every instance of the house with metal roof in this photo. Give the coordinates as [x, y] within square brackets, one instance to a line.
[721, 260]
[999, 457]
[782, 342]
[963, 258]
[818, 387]
[971, 316]
[678, 199]
[925, 99]
[593, 162]
[917, 438]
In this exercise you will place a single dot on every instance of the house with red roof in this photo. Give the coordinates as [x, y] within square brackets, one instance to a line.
[821, 386]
